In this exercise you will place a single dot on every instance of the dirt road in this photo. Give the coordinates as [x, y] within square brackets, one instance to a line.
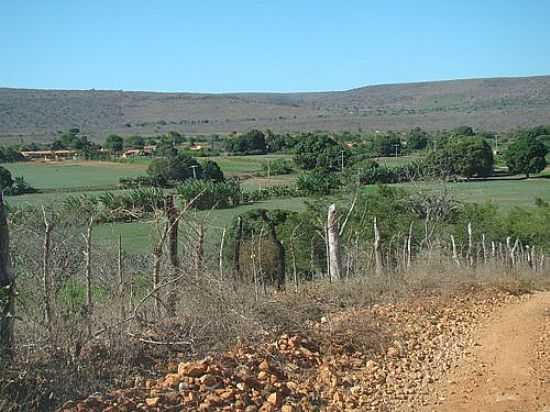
[509, 367]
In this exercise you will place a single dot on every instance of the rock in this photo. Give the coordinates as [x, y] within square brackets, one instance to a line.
[392, 352]
[152, 402]
[264, 366]
[274, 399]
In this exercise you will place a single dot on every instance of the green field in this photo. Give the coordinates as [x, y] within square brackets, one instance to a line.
[238, 165]
[59, 180]
[503, 193]
[74, 174]
[137, 236]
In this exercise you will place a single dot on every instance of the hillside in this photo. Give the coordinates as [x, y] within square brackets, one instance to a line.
[494, 104]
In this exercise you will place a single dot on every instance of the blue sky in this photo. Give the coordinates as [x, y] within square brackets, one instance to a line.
[283, 45]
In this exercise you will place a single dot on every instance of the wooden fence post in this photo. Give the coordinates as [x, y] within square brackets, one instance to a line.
[7, 287]
[46, 282]
[377, 253]
[88, 271]
[333, 235]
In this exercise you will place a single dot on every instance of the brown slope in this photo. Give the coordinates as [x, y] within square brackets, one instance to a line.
[484, 103]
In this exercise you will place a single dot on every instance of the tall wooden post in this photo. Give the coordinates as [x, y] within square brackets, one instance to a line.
[172, 222]
[46, 282]
[333, 237]
[7, 287]
[88, 262]
[379, 265]
[280, 252]
[237, 246]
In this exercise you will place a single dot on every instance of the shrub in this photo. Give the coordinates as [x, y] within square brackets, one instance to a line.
[136, 182]
[210, 194]
[252, 142]
[526, 155]
[317, 182]
[276, 167]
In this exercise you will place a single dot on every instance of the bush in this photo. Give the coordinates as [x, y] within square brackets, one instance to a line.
[19, 187]
[276, 167]
[210, 194]
[136, 182]
[526, 155]
[212, 171]
[320, 151]
[462, 156]
[317, 182]
[174, 169]
[252, 142]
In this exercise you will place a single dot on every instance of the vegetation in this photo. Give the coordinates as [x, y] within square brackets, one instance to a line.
[320, 151]
[249, 143]
[462, 156]
[210, 194]
[526, 155]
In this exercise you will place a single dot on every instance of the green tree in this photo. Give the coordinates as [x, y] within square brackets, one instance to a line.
[386, 144]
[212, 171]
[166, 148]
[417, 139]
[6, 181]
[462, 156]
[252, 142]
[174, 169]
[317, 182]
[114, 143]
[526, 155]
[463, 131]
[320, 151]
[134, 142]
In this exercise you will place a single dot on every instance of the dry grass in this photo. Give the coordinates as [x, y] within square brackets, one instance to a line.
[215, 316]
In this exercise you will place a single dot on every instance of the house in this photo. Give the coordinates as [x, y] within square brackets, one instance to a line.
[50, 155]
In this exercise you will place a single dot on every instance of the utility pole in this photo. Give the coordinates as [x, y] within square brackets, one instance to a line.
[396, 145]
[194, 167]
[496, 144]
[342, 154]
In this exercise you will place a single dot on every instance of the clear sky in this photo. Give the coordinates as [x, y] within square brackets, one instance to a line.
[276, 45]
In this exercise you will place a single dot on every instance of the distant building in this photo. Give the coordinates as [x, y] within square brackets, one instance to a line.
[50, 155]
[146, 151]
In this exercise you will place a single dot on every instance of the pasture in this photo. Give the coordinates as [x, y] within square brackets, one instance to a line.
[61, 176]
[56, 181]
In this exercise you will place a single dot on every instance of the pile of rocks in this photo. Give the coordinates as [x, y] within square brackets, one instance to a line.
[292, 373]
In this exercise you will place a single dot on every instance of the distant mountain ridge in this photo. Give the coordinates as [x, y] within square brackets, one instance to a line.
[492, 104]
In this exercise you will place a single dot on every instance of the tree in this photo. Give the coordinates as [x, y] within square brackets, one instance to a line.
[417, 139]
[114, 143]
[526, 155]
[212, 171]
[166, 148]
[317, 182]
[174, 169]
[320, 151]
[134, 142]
[386, 144]
[6, 181]
[463, 131]
[462, 156]
[252, 142]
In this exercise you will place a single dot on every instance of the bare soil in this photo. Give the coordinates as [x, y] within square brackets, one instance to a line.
[508, 368]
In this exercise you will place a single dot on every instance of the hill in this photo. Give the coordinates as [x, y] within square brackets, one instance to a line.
[494, 104]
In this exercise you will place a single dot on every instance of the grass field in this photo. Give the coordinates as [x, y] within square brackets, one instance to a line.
[503, 193]
[59, 180]
[74, 174]
[137, 236]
